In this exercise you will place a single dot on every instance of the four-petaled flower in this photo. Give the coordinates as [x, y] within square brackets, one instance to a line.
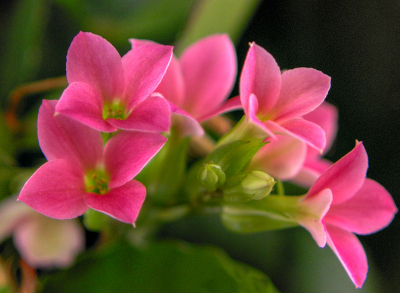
[275, 102]
[108, 92]
[82, 174]
[359, 205]
[199, 82]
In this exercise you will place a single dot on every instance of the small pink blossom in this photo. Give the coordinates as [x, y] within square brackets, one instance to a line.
[108, 92]
[199, 82]
[282, 157]
[359, 205]
[82, 174]
[42, 242]
[275, 102]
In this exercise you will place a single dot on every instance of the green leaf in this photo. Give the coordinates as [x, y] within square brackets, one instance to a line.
[22, 56]
[160, 267]
[216, 16]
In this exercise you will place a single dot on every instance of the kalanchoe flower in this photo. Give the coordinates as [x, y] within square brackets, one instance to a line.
[199, 82]
[42, 242]
[359, 205]
[275, 102]
[289, 158]
[314, 165]
[82, 174]
[281, 157]
[110, 93]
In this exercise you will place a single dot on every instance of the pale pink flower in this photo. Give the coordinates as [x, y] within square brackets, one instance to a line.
[42, 242]
[282, 157]
[199, 82]
[275, 102]
[108, 92]
[82, 174]
[359, 205]
[314, 165]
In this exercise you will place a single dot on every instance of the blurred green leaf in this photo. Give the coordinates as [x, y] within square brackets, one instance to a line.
[216, 16]
[119, 20]
[161, 267]
[22, 56]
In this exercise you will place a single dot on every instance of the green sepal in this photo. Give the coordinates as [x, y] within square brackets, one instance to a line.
[234, 157]
[270, 213]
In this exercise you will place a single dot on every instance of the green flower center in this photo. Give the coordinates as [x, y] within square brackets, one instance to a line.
[115, 110]
[96, 181]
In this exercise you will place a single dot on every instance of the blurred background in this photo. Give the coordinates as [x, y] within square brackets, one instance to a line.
[357, 43]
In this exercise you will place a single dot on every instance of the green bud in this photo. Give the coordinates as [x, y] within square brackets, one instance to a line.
[211, 176]
[253, 185]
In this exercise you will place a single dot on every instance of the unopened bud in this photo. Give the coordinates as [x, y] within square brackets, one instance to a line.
[211, 176]
[253, 185]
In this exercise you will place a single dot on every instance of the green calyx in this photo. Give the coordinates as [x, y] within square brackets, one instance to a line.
[96, 181]
[115, 110]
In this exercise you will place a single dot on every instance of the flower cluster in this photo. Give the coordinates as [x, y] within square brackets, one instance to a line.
[108, 122]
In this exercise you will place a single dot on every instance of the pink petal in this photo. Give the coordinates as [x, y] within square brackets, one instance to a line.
[260, 128]
[83, 103]
[302, 129]
[44, 242]
[281, 158]
[369, 210]
[144, 67]
[209, 70]
[126, 153]
[260, 76]
[326, 116]
[63, 138]
[312, 212]
[122, 203]
[302, 90]
[172, 85]
[184, 123]
[230, 105]
[345, 177]
[350, 252]
[310, 172]
[152, 114]
[55, 190]
[12, 213]
[93, 60]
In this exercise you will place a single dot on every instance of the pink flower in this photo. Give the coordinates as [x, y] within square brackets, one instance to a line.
[275, 102]
[81, 173]
[110, 93]
[359, 205]
[282, 157]
[42, 242]
[314, 165]
[198, 84]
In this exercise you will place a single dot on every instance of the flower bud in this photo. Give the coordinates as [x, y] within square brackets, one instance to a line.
[211, 176]
[253, 185]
